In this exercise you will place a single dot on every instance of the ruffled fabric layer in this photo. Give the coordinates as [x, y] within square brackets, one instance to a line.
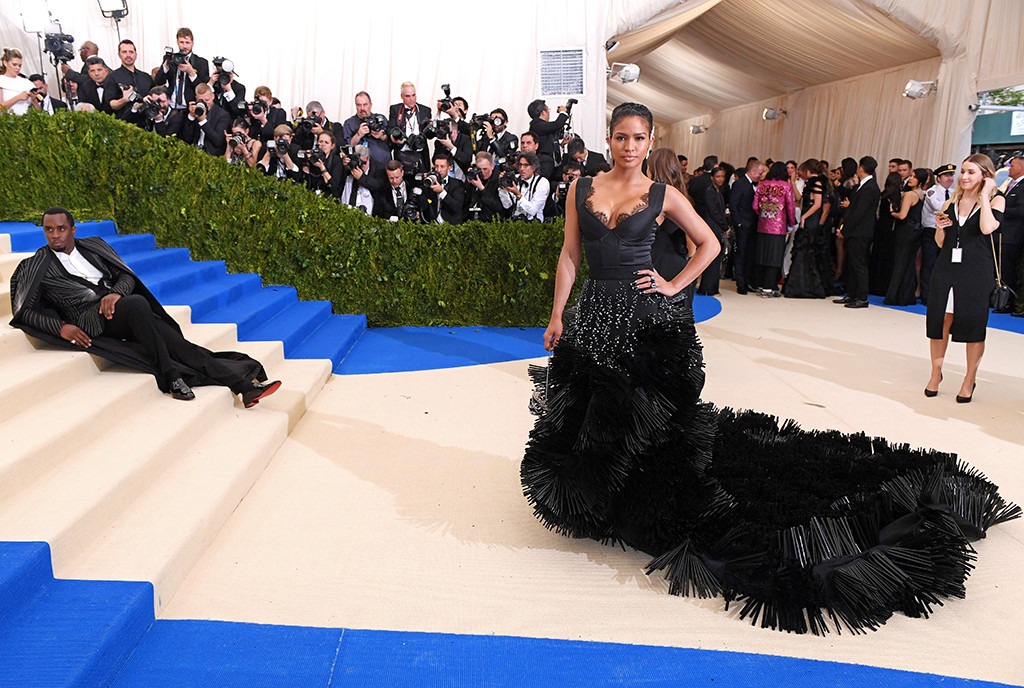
[807, 531]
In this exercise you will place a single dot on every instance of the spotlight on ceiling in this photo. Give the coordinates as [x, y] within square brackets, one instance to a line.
[610, 46]
[919, 89]
[698, 128]
[772, 114]
[114, 9]
[625, 73]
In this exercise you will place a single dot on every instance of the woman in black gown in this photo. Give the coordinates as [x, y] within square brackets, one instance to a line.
[907, 240]
[964, 274]
[810, 275]
[671, 250]
[805, 530]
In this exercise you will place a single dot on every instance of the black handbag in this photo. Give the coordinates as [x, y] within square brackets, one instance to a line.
[1002, 297]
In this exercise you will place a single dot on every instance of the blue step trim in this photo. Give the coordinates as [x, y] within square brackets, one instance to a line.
[293, 324]
[156, 259]
[128, 244]
[24, 569]
[251, 311]
[27, 236]
[334, 339]
[217, 293]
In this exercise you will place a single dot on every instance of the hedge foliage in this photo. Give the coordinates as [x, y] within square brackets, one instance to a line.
[396, 273]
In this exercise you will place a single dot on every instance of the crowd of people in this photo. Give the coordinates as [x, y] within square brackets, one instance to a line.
[412, 163]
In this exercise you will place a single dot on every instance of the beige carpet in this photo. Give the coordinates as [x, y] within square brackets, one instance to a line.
[395, 503]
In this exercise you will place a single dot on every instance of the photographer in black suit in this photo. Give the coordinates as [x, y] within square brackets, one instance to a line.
[547, 133]
[859, 217]
[99, 90]
[591, 164]
[133, 83]
[571, 171]
[405, 121]
[367, 128]
[391, 201]
[227, 92]
[279, 155]
[155, 111]
[444, 199]
[484, 203]
[48, 104]
[183, 71]
[1012, 230]
[264, 115]
[495, 137]
[206, 124]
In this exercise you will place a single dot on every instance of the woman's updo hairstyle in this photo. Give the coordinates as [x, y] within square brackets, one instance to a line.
[625, 110]
[8, 55]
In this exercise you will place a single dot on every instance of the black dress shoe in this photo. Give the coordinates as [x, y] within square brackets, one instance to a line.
[741, 290]
[844, 299]
[966, 400]
[180, 391]
[856, 303]
[259, 391]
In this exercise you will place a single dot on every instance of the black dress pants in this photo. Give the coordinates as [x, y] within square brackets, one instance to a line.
[1011, 254]
[858, 252]
[743, 260]
[135, 321]
[929, 254]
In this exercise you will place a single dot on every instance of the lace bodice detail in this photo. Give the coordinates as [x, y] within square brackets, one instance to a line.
[628, 242]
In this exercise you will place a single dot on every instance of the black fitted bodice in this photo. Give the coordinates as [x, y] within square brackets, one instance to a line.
[612, 253]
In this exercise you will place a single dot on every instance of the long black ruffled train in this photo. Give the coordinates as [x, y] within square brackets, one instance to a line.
[806, 530]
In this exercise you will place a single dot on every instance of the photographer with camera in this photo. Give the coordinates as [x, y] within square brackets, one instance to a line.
[322, 166]
[133, 83]
[357, 189]
[397, 200]
[494, 136]
[241, 148]
[47, 104]
[527, 194]
[264, 115]
[591, 163]
[16, 92]
[206, 123]
[367, 128]
[547, 133]
[85, 51]
[444, 197]
[453, 143]
[483, 184]
[309, 127]
[155, 111]
[279, 156]
[183, 71]
[406, 121]
[99, 90]
[227, 92]
[571, 171]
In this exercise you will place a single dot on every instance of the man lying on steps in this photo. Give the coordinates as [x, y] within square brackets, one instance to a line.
[80, 293]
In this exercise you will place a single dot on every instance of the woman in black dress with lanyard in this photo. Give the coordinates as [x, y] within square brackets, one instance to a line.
[964, 274]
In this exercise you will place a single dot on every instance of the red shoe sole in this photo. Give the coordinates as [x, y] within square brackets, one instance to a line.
[270, 389]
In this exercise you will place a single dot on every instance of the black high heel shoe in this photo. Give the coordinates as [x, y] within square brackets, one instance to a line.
[966, 400]
[933, 392]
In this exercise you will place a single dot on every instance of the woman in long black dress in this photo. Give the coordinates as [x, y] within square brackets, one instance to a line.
[805, 279]
[907, 240]
[964, 274]
[805, 530]
[880, 268]
[671, 250]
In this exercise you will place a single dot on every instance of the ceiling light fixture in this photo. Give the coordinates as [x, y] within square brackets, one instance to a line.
[772, 114]
[626, 73]
[698, 128]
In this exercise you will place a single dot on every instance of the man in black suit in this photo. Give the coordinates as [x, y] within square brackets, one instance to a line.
[85, 51]
[80, 293]
[744, 222]
[190, 72]
[591, 164]
[445, 200]
[484, 202]
[547, 134]
[390, 201]
[227, 92]
[698, 185]
[99, 90]
[1012, 229]
[48, 104]
[407, 119]
[138, 83]
[207, 123]
[859, 217]
[495, 137]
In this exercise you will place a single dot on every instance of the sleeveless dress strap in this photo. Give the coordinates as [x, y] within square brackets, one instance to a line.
[582, 190]
[656, 198]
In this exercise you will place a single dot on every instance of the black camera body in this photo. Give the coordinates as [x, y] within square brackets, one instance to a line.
[134, 97]
[60, 46]
[472, 172]
[174, 58]
[438, 128]
[411, 210]
[430, 179]
[200, 109]
[256, 107]
[237, 140]
[352, 153]
[281, 144]
[446, 103]
[152, 108]
[305, 125]
[377, 122]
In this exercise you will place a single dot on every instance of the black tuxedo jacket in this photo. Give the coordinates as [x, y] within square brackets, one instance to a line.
[741, 205]
[452, 207]
[860, 216]
[89, 93]
[58, 104]
[594, 164]
[397, 117]
[462, 154]
[547, 133]
[1013, 217]
[236, 106]
[489, 201]
[170, 78]
[217, 122]
[498, 147]
[697, 188]
[384, 202]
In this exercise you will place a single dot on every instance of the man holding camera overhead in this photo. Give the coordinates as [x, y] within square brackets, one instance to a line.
[547, 133]
[367, 128]
[134, 85]
[183, 71]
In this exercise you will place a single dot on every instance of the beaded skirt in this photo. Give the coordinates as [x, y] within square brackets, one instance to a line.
[807, 531]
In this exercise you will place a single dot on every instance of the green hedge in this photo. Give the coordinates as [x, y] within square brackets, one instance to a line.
[397, 274]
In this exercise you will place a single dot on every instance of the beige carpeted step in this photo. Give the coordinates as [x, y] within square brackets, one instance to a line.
[169, 526]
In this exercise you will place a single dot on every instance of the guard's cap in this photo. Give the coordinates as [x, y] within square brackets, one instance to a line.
[948, 168]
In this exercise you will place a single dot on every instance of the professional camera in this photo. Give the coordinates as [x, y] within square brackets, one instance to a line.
[445, 103]
[174, 58]
[134, 97]
[311, 157]
[224, 69]
[200, 109]
[439, 128]
[568, 105]
[237, 140]
[411, 210]
[478, 121]
[305, 125]
[151, 108]
[281, 144]
[352, 153]
[60, 46]
[506, 169]
[376, 122]
[472, 172]
[256, 107]
[430, 179]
